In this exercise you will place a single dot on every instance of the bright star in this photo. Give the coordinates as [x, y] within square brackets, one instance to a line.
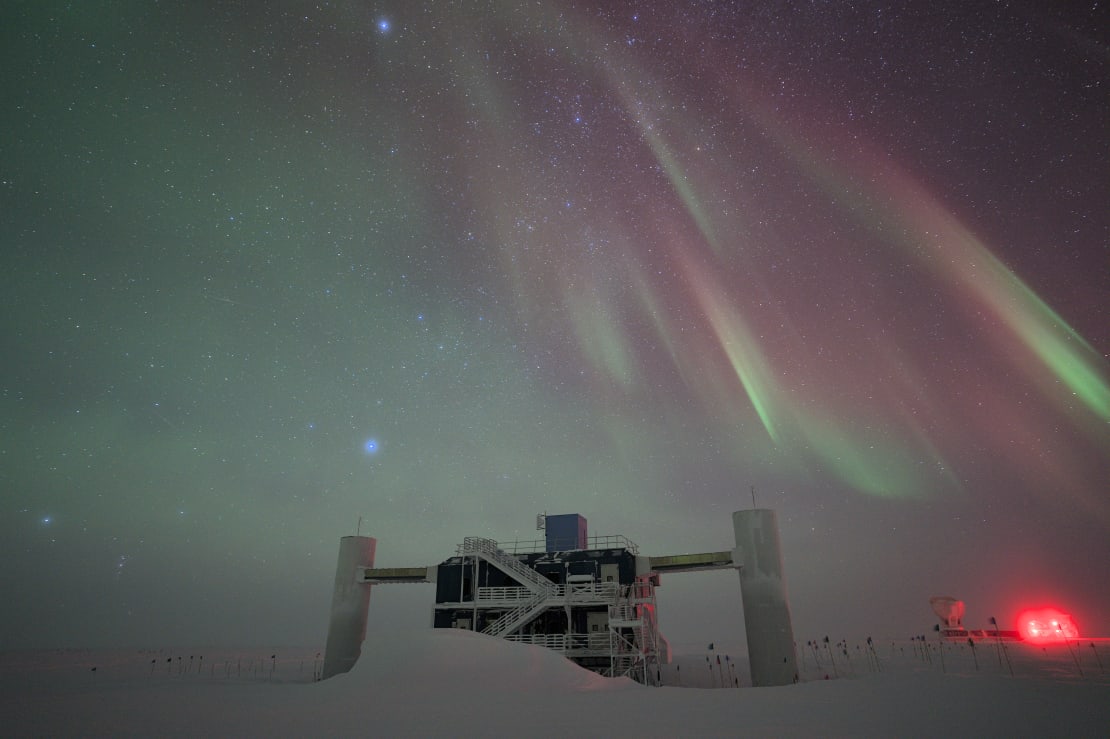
[371, 446]
[384, 25]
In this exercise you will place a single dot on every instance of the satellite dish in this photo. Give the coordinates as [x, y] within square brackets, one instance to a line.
[949, 610]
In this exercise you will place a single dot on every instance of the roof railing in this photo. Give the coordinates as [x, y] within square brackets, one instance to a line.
[533, 546]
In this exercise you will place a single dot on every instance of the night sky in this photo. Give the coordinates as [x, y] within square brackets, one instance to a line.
[270, 268]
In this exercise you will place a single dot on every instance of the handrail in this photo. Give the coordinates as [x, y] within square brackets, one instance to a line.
[624, 614]
[489, 549]
[500, 594]
[592, 592]
[598, 592]
[597, 642]
[536, 546]
[516, 617]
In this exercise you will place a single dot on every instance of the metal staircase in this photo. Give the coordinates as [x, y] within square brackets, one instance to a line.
[488, 550]
[634, 634]
[633, 646]
[541, 588]
[517, 617]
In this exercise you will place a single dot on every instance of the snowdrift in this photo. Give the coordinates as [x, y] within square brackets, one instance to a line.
[445, 659]
[426, 683]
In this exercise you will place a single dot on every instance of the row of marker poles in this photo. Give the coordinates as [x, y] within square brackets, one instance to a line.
[814, 646]
[1001, 647]
[185, 668]
[733, 680]
[1004, 653]
[1074, 653]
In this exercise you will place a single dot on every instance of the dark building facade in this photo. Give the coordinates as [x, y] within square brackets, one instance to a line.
[592, 599]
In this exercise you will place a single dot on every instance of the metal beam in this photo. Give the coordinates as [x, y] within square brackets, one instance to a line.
[381, 575]
[671, 563]
[693, 562]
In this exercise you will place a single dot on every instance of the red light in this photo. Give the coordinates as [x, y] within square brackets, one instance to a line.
[1046, 625]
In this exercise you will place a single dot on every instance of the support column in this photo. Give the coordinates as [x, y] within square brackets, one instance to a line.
[349, 605]
[771, 654]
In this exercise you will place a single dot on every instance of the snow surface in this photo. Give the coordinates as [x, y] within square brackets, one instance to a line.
[445, 683]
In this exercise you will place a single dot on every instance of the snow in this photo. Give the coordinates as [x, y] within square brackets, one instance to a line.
[452, 683]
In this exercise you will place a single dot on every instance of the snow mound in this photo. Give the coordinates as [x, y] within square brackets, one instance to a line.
[445, 659]
[444, 683]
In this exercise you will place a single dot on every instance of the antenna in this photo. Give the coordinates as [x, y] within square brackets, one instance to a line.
[753, 497]
[358, 531]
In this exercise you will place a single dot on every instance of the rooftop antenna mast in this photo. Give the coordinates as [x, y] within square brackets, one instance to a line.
[753, 497]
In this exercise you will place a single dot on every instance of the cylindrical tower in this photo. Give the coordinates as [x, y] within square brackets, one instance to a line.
[349, 605]
[771, 655]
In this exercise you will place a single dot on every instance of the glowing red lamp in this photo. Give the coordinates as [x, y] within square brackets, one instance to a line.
[1046, 625]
